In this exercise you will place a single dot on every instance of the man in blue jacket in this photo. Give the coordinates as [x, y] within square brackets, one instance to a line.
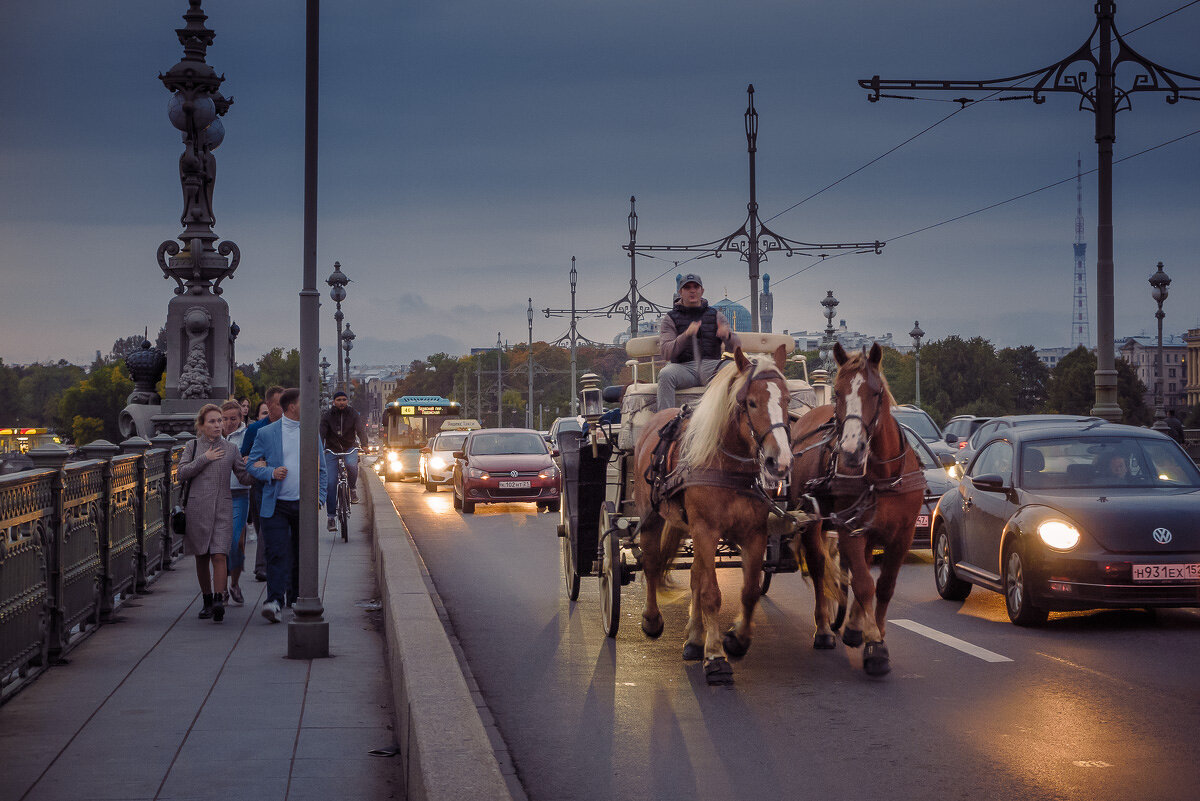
[275, 461]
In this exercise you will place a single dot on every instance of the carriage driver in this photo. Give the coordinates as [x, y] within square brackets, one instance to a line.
[690, 339]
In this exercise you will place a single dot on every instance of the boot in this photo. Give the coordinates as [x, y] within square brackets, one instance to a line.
[218, 608]
[207, 610]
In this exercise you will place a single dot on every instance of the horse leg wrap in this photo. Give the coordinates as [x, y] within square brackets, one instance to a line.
[875, 659]
[718, 671]
[652, 628]
[852, 638]
[734, 646]
[692, 651]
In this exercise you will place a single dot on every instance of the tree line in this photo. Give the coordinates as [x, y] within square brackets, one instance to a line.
[958, 376]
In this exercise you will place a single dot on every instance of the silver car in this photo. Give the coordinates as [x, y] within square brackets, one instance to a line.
[437, 459]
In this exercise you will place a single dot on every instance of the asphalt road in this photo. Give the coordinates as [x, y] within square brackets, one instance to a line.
[1099, 705]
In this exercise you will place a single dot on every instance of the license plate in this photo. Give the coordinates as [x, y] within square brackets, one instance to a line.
[514, 485]
[922, 521]
[1184, 572]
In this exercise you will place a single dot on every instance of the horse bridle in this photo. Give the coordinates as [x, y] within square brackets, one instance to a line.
[743, 411]
[869, 428]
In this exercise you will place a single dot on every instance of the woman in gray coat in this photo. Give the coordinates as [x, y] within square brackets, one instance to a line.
[206, 462]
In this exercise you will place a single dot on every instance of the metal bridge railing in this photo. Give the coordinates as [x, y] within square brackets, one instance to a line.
[77, 539]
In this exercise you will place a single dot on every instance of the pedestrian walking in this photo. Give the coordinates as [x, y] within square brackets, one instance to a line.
[206, 464]
[268, 412]
[1175, 427]
[275, 461]
[234, 429]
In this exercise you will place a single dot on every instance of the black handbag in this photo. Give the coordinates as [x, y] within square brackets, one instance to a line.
[179, 512]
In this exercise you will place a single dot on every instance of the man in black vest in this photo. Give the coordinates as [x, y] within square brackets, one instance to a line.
[690, 339]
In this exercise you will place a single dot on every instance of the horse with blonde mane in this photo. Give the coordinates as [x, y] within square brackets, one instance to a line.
[853, 461]
[708, 476]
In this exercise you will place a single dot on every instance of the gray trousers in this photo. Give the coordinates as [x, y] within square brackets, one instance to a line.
[683, 376]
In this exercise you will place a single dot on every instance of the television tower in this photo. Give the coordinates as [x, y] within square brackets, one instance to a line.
[1080, 332]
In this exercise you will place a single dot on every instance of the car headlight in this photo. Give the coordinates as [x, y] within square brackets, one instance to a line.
[1058, 535]
[549, 472]
[475, 472]
[955, 471]
[437, 463]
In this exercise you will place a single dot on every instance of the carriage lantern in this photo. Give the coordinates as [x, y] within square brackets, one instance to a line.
[589, 397]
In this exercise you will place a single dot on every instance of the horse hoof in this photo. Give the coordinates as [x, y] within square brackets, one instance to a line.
[692, 652]
[823, 642]
[718, 671]
[733, 646]
[875, 659]
[852, 638]
[652, 629]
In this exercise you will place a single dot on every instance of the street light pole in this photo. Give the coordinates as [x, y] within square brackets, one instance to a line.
[916, 335]
[1159, 281]
[308, 631]
[499, 384]
[1104, 100]
[830, 303]
[572, 337]
[337, 281]
[347, 340]
[529, 359]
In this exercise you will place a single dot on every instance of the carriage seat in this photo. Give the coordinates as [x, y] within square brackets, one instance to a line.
[640, 401]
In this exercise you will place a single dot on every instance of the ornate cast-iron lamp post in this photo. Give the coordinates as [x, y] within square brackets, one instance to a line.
[325, 393]
[916, 335]
[1104, 99]
[347, 340]
[337, 281]
[830, 303]
[199, 348]
[499, 383]
[753, 240]
[529, 358]
[1159, 281]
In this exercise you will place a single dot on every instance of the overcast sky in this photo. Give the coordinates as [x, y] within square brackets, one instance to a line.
[470, 148]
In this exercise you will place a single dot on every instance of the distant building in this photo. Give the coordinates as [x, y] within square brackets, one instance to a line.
[737, 314]
[1052, 356]
[851, 340]
[1142, 350]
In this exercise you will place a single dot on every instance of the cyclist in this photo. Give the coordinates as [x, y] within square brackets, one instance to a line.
[341, 425]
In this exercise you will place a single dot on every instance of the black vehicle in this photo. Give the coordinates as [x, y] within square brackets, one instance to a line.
[998, 426]
[923, 426]
[1073, 516]
[937, 483]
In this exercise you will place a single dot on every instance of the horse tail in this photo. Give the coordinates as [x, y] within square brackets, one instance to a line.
[835, 576]
[668, 549]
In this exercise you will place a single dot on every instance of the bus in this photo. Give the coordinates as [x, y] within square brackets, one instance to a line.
[409, 423]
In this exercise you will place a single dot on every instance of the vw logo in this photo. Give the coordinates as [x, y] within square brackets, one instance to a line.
[513, 473]
[1162, 536]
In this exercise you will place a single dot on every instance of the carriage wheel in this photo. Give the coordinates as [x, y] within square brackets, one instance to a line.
[570, 574]
[610, 582]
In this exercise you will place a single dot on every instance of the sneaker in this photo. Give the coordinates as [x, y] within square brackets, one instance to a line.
[218, 609]
[270, 611]
[353, 496]
[331, 524]
[235, 595]
[206, 611]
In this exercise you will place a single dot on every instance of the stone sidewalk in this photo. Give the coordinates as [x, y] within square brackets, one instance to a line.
[163, 705]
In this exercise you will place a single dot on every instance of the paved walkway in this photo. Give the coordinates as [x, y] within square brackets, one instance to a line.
[163, 705]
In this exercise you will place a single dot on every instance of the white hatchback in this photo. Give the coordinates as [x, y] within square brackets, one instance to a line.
[437, 459]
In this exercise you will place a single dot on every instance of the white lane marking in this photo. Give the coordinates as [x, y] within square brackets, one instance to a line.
[953, 642]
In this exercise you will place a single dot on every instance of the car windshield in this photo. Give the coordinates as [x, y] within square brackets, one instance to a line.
[508, 442]
[449, 442]
[918, 422]
[920, 449]
[1106, 462]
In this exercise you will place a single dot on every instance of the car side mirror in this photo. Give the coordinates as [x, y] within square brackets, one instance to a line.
[947, 459]
[459, 455]
[989, 482]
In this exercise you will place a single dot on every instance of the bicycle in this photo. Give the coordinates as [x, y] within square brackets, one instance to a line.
[342, 510]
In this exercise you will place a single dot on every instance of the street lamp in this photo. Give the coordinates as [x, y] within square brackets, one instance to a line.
[347, 343]
[916, 335]
[830, 303]
[337, 281]
[1159, 281]
[324, 365]
[529, 358]
[499, 384]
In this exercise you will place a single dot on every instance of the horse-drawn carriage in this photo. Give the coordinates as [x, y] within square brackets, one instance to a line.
[710, 488]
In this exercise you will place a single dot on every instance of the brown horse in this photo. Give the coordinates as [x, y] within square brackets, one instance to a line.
[853, 460]
[711, 484]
